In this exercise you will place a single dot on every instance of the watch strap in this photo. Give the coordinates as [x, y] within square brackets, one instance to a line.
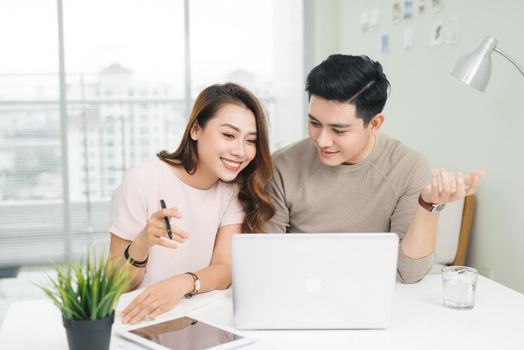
[431, 207]
[196, 284]
[424, 204]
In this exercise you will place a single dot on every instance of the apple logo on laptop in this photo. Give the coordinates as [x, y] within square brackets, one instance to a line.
[313, 285]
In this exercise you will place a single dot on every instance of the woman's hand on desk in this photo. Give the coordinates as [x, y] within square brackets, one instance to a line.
[155, 231]
[157, 299]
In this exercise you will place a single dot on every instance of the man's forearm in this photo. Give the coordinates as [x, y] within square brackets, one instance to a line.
[419, 240]
[416, 248]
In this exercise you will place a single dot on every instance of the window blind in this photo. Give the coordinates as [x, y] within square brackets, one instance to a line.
[124, 101]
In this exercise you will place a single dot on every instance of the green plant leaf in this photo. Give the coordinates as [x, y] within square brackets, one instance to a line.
[87, 290]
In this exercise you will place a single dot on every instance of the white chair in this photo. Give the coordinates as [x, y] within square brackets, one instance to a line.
[453, 233]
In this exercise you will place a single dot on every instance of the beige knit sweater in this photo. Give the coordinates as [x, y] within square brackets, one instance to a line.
[378, 194]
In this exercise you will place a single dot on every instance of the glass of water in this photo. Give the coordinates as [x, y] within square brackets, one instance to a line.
[459, 284]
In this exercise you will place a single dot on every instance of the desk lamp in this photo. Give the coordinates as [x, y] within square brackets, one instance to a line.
[474, 69]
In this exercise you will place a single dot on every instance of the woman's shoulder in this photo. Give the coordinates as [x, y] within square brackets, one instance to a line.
[147, 171]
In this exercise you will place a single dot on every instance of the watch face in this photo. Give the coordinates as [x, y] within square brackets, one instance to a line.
[438, 208]
[197, 285]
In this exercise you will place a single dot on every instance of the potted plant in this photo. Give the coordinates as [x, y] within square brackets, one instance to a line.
[86, 294]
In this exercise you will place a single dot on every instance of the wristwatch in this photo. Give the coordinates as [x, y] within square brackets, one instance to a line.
[431, 207]
[196, 284]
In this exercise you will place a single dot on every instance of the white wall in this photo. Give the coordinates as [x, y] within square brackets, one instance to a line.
[321, 31]
[287, 123]
[455, 126]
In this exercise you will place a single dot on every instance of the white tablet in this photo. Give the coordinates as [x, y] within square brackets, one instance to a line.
[184, 334]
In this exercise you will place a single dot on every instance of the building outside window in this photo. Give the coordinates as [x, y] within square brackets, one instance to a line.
[128, 88]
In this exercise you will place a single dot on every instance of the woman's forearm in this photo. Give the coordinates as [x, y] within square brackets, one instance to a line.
[136, 252]
[217, 276]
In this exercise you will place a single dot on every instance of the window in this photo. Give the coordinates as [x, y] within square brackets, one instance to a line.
[30, 148]
[261, 50]
[125, 101]
[128, 61]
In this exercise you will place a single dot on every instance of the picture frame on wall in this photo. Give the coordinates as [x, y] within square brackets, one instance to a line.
[373, 18]
[407, 40]
[364, 21]
[396, 11]
[384, 43]
[421, 6]
[451, 31]
[408, 9]
[436, 6]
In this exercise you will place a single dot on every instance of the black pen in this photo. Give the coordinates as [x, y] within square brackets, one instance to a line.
[166, 220]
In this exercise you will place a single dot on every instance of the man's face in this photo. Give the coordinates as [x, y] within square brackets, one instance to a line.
[338, 134]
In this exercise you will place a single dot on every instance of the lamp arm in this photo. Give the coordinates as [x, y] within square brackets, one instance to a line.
[508, 57]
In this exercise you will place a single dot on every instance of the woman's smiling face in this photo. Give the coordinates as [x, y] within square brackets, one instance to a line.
[227, 143]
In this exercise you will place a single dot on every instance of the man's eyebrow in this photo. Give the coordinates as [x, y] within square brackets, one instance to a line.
[338, 126]
[237, 129]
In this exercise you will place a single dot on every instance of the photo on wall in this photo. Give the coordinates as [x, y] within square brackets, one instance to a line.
[421, 7]
[451, 31]
[396, 11]
[437, 33]
[373, 18]
[364, 21]
[436, 6]
[407, 42]
[384, 44]
[408, 9]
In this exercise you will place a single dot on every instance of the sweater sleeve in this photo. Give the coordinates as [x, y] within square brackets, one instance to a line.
[411, 270]
[279, 223]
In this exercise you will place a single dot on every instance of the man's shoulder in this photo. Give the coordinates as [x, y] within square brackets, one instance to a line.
[394, 151]
[299, 154]
[299, 148]
[293, 148]
[402, 164]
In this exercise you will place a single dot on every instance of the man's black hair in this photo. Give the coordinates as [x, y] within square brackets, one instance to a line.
[354, 79]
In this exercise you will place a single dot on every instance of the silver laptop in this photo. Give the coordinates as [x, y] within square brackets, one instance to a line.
[314, 281]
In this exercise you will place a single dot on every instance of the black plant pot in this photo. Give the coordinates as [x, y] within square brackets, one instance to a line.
[89, 334]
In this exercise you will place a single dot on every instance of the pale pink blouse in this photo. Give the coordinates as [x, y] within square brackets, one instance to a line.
[203, 213]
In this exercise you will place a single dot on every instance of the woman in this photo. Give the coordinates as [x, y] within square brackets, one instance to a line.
[214, 186]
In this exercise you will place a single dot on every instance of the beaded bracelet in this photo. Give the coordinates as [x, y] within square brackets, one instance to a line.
[132, 261]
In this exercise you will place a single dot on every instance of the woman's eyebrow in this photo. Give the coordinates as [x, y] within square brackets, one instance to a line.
[237, 129]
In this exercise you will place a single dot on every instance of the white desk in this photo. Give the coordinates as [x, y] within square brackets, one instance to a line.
[420, 321]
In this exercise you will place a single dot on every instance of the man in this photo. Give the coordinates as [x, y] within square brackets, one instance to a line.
[346, 177]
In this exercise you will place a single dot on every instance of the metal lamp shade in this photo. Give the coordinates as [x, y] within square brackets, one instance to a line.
[474, 69]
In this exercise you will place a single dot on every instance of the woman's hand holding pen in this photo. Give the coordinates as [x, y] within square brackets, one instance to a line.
[155, 232]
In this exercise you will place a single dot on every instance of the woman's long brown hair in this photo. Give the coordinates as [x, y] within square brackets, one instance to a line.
[254, 178]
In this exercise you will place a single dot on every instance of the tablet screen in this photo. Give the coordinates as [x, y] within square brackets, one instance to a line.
[186, 334]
